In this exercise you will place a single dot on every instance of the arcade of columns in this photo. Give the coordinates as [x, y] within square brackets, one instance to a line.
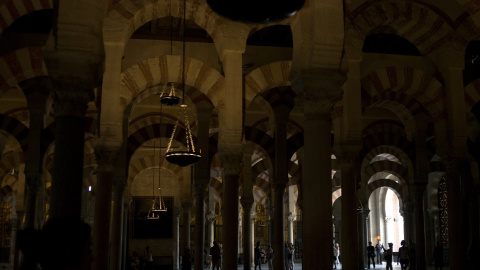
[324, 78]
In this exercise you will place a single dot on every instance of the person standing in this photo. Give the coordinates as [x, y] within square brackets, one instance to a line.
[257, 257]
[438, 256]
[148, 259]
[337, 247]
[403, 255]
[389, 255]
[291, 256]
[371, 254]
[378, 249]
[270, 257]
[335, 255]
[216, 256]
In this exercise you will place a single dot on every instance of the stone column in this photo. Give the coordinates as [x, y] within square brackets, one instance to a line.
[362, 247]
[16, 223]
[418, 193]
[103, 197]
[211, 217]
[290, 218]
[38, 92]
[119, 185]
[251, 222]
[231, 160]
[361, 239]
[247, 203]
[75, 68]
[317, 92]
[281, 109]
[202, 178]
[186, 216]
[456, 246]
[408, 220]
[348, 157]
[199, 258]
[125, 236]
[176, 238]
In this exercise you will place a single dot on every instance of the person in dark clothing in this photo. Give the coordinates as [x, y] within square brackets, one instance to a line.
[216, 255]
[403, 255]
[389, 255]
[371, 254]
[257, 257]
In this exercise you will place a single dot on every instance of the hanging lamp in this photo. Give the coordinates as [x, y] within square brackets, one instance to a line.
[158, 202]
[183, 157]
[152, 214]
[167, 96]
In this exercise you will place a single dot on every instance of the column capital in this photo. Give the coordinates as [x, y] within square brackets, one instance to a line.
[247, 202]
[418, 189]
[211, 216]
[200, 188]
[187, 204]
[291, 216]
[119, 184]
[39, 94]
[71, 95]
[34, 180]
[105, 156]
[318, 90]
[232, 160]
[348, 155]
[279, 187]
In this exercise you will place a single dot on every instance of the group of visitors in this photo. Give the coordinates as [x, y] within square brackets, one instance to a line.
[142, 263]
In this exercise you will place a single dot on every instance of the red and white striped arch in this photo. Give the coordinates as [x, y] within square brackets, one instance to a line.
[425, 26]
[10, 161]
[147, 162]
[266, 77]
[12, 10]
[126, 16]
[385, 166]
[21, 65]
[407, 86]
[168, 68]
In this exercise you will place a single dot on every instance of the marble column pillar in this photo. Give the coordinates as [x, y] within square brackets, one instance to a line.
[176, 238]
[211, 217]
[290, 219]
[408, 220]
[348, 159]
[75, 68]
[186, 216]
[199, 258]
[119, 185]
[318, 90]
[231, 160]
[103, 197]
[202, 179]
[456, 246]
[125, 236]
[38, 92]
[16, 222]
[418, 193]
[361, 239]
[247, 203]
